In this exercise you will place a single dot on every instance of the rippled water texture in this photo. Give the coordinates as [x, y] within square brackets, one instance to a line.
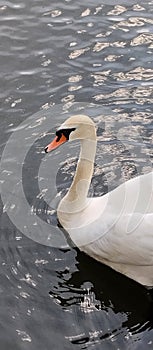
[57, 58]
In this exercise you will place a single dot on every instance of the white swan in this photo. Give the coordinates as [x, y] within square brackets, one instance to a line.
[117, 228]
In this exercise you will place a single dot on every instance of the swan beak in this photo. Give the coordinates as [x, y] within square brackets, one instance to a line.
[55, 143]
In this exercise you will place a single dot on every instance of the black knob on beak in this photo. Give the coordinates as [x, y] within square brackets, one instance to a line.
[46, 149]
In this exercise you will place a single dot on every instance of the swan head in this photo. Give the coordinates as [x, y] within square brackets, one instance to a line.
[76, 127]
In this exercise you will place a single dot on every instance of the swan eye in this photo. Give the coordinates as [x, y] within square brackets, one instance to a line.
[65, 132]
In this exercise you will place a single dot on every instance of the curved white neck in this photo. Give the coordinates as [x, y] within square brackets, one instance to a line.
[76, 198]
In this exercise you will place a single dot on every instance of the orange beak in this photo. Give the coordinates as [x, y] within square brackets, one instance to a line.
[55, 143]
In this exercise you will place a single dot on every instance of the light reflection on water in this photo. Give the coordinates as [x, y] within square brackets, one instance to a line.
[67, 52]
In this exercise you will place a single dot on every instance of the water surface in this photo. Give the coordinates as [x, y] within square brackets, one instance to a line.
[57, 57]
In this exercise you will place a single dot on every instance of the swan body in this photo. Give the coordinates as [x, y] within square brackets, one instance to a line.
[117, 228]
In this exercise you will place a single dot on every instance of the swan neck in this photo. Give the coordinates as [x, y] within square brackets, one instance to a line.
[78, 191]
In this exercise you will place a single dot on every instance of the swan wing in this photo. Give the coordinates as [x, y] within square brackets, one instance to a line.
[128, 241]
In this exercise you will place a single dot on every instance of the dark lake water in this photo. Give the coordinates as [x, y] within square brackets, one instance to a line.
[58, 58]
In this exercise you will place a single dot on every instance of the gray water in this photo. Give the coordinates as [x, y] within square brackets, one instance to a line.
[56, 59]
